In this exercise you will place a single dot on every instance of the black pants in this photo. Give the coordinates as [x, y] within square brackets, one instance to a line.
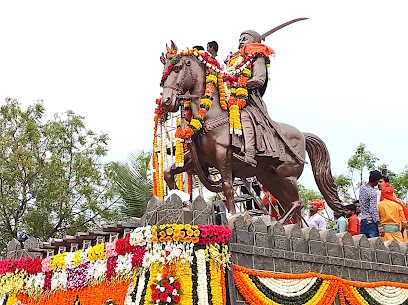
[250, 203]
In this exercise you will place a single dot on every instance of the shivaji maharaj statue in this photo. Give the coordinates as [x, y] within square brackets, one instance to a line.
[259, 131]
[227, 127]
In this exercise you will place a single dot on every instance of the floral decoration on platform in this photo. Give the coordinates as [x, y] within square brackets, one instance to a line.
[132, 270]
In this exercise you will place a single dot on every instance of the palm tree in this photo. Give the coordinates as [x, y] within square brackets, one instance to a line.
[134, 183]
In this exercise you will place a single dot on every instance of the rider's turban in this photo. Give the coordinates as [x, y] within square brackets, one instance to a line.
[319, 203]
[255, 35]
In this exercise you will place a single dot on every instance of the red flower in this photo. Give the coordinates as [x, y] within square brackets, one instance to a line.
[176, 299]
[153, 286]
[169, 289]
[177, 285]
[155, 296]
[163, 296]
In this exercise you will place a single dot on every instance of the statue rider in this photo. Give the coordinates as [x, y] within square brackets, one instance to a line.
[258, 128]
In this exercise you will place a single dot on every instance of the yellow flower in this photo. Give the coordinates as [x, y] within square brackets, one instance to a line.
[76, 258]
[211, 78]
[190, 232]
[169, 231]
[246, 72]
[196, 124]
[206, 101]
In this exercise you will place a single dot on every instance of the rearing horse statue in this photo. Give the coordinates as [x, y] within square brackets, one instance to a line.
[211, 145]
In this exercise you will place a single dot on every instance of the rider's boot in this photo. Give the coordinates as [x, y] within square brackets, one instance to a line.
[249, 138]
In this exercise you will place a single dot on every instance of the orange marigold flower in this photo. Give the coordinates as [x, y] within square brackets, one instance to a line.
[162, 234]
[169, 239]
[190, 232]
[197, 233]
[187, 239]
[195, 239]
[169, 231]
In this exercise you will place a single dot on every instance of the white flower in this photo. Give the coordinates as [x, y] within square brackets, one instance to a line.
[69, 260]
[174, 292]
[171, 279]
[168, 299]
[59, 279]
[162, 289]
[159, 276]
[36, 281]
[124, 264]
[83, 256]
[97, 269]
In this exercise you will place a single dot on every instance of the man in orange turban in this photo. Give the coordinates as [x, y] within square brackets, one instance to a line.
[390, 195]
[315, 219]
[391, 214]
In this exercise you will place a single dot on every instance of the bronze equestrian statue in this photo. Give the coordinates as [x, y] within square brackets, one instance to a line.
[273, 152]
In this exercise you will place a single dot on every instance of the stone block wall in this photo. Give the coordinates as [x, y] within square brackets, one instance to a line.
[270, 246]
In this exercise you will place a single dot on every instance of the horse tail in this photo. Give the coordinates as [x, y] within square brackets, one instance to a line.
[320, 161]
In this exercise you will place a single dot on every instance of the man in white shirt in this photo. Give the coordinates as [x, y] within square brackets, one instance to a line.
[315, 219]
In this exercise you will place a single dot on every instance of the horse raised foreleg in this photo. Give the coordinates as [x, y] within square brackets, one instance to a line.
[173, 170]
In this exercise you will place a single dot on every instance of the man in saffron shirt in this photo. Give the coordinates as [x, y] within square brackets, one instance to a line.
[391, 215]
[353, 226]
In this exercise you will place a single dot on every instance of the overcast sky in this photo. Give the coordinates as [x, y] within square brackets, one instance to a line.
[341, 74]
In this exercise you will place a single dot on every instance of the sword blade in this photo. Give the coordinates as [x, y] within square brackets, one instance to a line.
[281, 26]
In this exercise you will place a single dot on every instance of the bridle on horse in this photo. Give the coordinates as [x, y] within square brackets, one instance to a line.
[179, 88]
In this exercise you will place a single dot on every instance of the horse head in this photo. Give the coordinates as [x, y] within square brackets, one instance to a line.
[179, 76]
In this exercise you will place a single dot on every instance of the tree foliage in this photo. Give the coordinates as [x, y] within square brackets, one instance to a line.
[361, 160]
[52, 179]
[134, 183]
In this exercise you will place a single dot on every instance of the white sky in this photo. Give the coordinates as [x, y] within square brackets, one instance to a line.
[341, 74]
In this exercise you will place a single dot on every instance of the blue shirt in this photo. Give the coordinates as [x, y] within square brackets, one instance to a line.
[341, 225]
[368, 203]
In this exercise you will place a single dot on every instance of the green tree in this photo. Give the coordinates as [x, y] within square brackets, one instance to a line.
[400, 183]
[134, 183]
[359, 162]
[52, 179]
[343, 184]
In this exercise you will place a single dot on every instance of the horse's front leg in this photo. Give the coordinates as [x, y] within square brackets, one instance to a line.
[173, 170]
[223, 158]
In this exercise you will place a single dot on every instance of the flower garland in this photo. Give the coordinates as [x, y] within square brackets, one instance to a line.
[313, 288]
[179, 145]
[196, 123]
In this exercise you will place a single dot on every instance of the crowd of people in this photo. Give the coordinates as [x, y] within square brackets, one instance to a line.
[385, 218]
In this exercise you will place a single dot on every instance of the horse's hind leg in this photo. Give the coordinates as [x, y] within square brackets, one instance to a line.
[173, 170]
[285, 190]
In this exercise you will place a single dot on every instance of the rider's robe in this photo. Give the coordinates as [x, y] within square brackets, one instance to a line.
[269, 140]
